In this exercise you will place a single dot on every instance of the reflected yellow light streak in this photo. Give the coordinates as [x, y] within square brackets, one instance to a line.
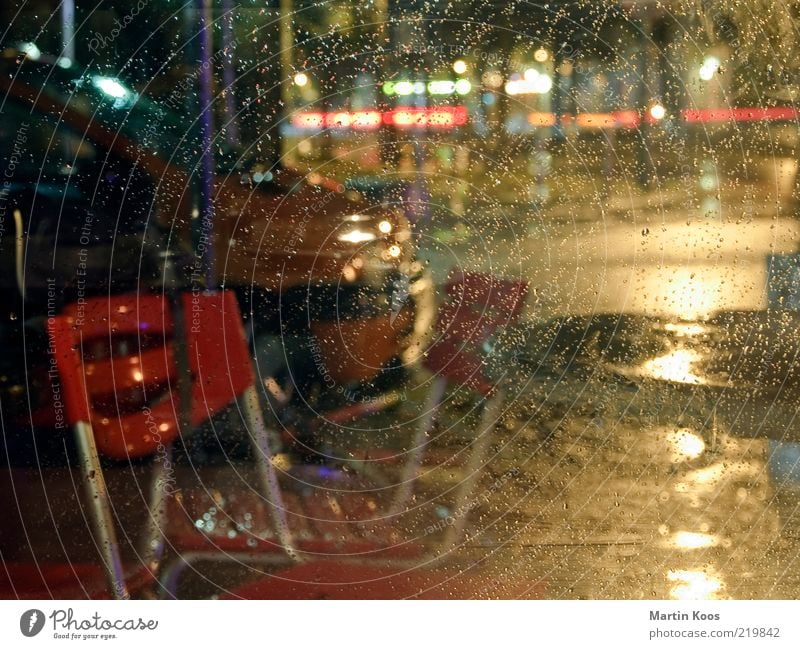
[677, 366]
[687, 293]
[685, 328]
[685, 444]
[694, 584]
[694, 540]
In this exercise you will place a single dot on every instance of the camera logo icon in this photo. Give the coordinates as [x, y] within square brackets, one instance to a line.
[31, 622]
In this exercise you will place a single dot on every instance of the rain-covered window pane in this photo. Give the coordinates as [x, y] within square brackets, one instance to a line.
[399, 299]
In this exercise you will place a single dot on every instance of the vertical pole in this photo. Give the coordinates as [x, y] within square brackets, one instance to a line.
[645, 169]
[420, 138]
[286, 44]
[68, 29]
[387, 135]
[559, 90]
[67, 47]
[229, 77]
[205, 225]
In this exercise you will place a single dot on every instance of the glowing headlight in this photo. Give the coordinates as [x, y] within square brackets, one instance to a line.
[122, 96]
[31, 51]
[111, 87]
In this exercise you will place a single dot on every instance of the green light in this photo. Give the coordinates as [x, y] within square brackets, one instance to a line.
[399, 88]
[436, 87]
[463, 86]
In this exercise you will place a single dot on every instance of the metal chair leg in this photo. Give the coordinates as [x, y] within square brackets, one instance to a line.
[463, 501]
[153, 540]
[100, 508]
[259, 437]
[418, 444]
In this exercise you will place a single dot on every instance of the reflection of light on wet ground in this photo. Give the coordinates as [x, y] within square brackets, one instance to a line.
[694, 584]
[685, 444]
[691, 502]
[688, 269]
[693, 540]
[701, 480]
[675, 366]
[685, 328]
[689, 293]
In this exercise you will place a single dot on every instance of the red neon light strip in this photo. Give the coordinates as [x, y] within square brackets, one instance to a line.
[366, 119]
[308, 120]
[439, 117]
[452, 116]
[359, 120]
[626, 118]
[756, 114]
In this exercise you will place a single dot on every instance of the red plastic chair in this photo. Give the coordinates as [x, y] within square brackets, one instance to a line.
[118, 360]
[357, 528]
[475, 306]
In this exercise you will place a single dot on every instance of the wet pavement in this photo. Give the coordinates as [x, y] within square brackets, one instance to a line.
[651, 406]
[636, 489]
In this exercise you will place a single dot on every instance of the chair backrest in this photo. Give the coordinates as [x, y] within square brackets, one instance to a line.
[116, 360]
[485, 298]
[475, 306]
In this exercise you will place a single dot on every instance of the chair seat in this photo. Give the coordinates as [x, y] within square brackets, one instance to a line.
[341, 580]
[449, 359]
[64, 581]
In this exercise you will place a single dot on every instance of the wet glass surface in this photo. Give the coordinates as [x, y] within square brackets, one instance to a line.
[511, 300]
